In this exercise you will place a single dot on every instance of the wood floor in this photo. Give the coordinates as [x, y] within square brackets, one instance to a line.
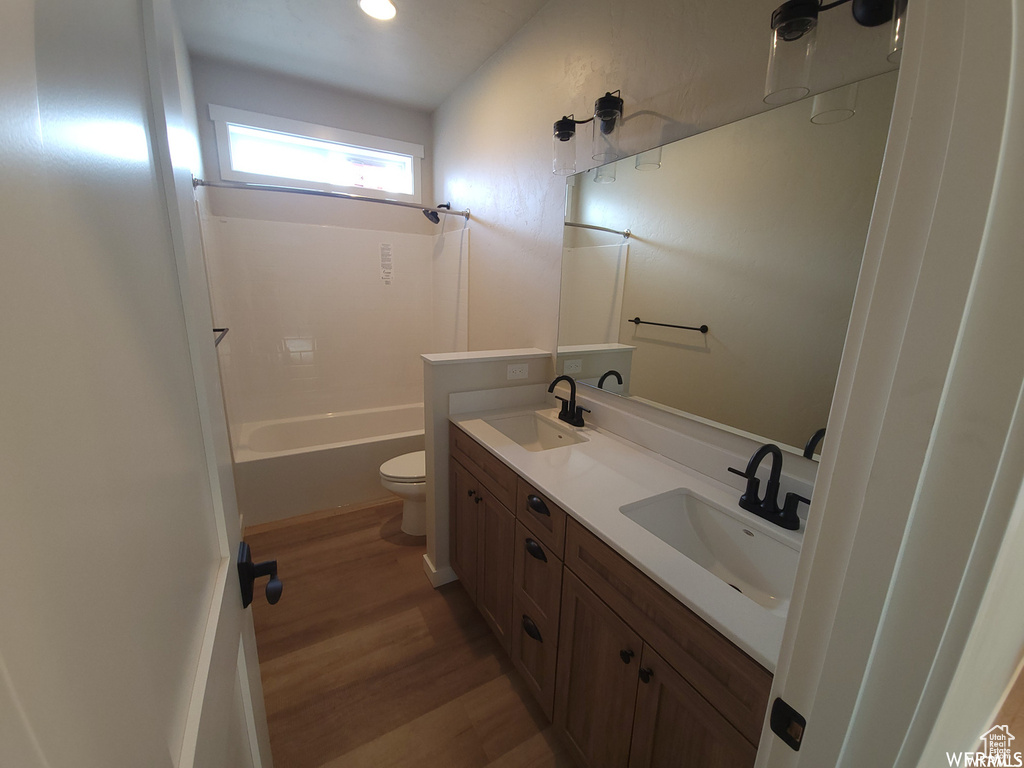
[365, 664]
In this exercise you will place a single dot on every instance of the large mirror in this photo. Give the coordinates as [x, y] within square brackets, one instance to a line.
[755, 229]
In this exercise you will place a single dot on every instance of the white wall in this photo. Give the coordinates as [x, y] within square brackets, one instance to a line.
[682, 65]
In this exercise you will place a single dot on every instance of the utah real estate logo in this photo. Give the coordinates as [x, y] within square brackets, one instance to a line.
[997, 750]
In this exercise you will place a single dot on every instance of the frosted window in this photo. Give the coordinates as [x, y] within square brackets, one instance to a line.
[301, 158]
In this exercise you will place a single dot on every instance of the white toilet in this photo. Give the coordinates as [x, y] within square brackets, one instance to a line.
[406, 477]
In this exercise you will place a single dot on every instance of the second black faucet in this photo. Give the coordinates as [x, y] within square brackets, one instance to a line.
[570, 413]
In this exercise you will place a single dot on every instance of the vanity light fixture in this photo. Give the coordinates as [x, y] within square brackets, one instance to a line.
[794, 36]
[384, 10]
[607, 111]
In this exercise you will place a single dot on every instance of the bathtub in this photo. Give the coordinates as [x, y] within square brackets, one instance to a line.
[289, 467]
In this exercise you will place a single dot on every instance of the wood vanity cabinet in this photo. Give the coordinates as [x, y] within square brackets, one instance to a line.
[631, 676]
[482, 530]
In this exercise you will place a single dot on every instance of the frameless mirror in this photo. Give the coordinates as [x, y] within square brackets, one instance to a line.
[755, 229]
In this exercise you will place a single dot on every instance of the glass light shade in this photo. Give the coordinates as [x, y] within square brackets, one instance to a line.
[378, 9]
[605, 174]
[606, 135]
[564, 156]
[649, 160]
[899, 31]
[834, 106]
[789, 67]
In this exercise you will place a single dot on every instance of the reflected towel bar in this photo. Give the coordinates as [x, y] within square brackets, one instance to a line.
[624, 232]
[638, 321]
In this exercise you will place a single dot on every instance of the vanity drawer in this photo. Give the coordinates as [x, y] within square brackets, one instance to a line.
[498, 478]
[731, 681]
[534, 652]
[544, 519]
[537, 580]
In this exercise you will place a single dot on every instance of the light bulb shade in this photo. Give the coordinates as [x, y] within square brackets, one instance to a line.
[378, 9]
[605, 174]
[789, 67]
[899, 31]
[834, 106]
[607, 114]
[649, 160]
[564, 147]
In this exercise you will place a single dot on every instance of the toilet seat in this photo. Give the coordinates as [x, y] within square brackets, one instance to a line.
[407, 468]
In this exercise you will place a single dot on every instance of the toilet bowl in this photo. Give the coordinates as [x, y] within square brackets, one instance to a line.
[406, 477]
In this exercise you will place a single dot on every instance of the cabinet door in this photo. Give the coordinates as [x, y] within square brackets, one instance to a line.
[595, 691]
[675, 727]
[462, 525]
[496, 537]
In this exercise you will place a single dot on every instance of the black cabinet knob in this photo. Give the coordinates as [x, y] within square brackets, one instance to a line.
[471, 494]
[530, 628]
[626, 655]
[536, 503]
[646, 673]
[535, 550]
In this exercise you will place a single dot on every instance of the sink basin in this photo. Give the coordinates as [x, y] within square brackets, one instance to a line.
[738, 553]
[535, 433]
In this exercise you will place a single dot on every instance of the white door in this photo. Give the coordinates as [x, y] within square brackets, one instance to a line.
[122, 637]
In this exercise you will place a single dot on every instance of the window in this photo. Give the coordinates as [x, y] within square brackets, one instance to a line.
[260, 149]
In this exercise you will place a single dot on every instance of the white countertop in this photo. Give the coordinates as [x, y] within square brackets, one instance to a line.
[593, 479]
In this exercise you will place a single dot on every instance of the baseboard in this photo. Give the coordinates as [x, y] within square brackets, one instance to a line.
[438, 577]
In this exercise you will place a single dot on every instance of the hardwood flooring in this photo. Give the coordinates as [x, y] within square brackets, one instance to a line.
[365, 664]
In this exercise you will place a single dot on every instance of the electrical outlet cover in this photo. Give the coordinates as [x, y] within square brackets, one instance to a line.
[572, 366]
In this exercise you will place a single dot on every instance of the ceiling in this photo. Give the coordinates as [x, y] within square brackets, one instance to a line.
[417, 59]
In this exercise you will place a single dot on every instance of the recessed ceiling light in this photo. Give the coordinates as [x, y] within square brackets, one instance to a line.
[378, 9]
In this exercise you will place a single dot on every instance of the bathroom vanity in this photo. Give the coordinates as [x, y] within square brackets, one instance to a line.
[569, 542]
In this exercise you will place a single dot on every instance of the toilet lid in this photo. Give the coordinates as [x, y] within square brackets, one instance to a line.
[407, 468]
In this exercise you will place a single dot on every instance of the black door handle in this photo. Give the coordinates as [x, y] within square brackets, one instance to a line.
[535, 550]
[248, 572]
[530, 628]
[537, 505]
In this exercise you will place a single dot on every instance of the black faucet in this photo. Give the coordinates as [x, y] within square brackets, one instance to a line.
[812, 443]
[570, 413]
[768, 505]
[616, 374]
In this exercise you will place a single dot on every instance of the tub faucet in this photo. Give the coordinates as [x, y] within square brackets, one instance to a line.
[570, 412]
[767, 506]
[616, 374]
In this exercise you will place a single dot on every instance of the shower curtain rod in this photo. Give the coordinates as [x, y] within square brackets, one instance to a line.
[320, 193]
[625, 233]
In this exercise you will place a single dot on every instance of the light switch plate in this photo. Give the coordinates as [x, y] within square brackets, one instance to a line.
[518, 371]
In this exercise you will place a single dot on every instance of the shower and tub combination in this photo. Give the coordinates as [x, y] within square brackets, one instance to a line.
[288, 467]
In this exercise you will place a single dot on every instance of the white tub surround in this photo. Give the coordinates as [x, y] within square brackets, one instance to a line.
[593, 479]
[289, 467]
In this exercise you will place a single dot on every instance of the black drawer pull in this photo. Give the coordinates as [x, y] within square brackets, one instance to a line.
[531, 629]
[471, 494]
[537, 505]
[646, 673]
[626, 655]
[536, 550]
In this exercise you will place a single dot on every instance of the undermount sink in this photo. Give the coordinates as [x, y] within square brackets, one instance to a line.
[534, 432]
[741, 555]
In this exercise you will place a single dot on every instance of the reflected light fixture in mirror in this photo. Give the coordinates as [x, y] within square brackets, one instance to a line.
[605, 174]
[383, 10]
[649, 160]
[834, 106]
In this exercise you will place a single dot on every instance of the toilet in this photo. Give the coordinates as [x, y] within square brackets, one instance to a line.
[406, 477]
